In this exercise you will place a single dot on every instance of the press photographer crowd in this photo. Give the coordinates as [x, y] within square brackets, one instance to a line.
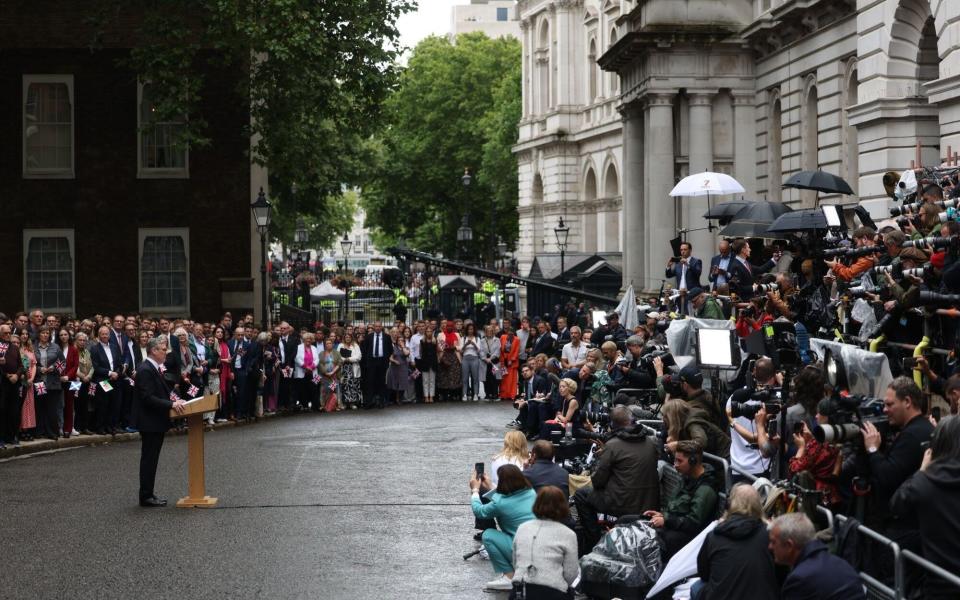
[779, 422]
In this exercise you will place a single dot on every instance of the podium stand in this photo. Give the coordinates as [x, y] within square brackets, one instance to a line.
[194, 414]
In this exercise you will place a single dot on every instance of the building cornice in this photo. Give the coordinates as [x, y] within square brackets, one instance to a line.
[636, 44]
[794, 20]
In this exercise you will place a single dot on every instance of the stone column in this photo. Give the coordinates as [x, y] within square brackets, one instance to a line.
[745, 141]
[525, 78]
[632, 197]
[660, 226]
[701, 159]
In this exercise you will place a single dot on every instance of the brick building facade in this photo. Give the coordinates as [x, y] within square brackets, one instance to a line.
[98, 216]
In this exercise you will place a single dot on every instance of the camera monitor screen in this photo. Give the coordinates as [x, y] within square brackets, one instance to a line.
[716, 348]
[832, 216]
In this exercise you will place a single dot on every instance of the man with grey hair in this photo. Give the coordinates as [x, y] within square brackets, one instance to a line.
[152, 407]
[815, 572]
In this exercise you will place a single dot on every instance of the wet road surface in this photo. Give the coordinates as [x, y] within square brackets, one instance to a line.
[360, 505]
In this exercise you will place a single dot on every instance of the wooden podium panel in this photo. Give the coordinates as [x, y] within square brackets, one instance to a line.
[197, 481]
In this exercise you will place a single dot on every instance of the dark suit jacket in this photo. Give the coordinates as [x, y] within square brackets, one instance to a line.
[152, 400]
[101, 364]
[694, 267]
[715, 262]
[289, 349]
[742, 279]
[366, 351]
[544, 345]
[546, 472]
[124, 350]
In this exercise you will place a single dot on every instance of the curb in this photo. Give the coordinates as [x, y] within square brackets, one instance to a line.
[36, 446]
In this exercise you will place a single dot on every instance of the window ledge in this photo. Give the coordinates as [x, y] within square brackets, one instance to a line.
[163, 174]
[59, 174]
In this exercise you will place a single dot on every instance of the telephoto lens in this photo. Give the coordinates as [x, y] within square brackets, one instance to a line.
[835, 434]
[905, 209]
[935, 241]
[882, 269]
[919, 271]
[842, 251]
[928, 297]
[765, 287]
[865, 251]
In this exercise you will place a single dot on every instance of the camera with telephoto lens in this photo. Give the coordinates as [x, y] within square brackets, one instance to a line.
[840, 251]
[914, 220]
[769, 398]
[862, 291]
[934, 241]
[762, 288]
[865, 251]
[600, 416]
[928, 297]
[847, 416]
[671, 385]
[899, 211]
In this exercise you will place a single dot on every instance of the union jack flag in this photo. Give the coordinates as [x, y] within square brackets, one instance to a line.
[192, 391]
[60, 366]
[162, 369]
[174, 397]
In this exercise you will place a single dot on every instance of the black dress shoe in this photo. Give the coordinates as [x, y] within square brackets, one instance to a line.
[153, 502]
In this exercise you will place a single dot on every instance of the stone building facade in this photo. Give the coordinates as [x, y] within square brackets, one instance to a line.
[759, 89]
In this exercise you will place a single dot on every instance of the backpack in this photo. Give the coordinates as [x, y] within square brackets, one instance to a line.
[718, 442]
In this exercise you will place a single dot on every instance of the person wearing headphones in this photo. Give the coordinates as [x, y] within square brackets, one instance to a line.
[693, 506]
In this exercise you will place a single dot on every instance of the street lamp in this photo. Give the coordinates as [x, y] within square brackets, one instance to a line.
[464, 234]
[300, 235]
[562, 232]
[502, 251]
[466, 179]
[261, 215]
[345, 246]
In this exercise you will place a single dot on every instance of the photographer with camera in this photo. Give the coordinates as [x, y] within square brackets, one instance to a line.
[890, 463]
[933, 495]
[624, 480]
[705, 306]
[612, 330]
[863, 238]
[682, 421]
[742, 272]
[694, 504]
[746, 453]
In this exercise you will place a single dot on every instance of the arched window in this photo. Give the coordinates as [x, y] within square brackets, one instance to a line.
[543, 67]
[614, 79]
[810, 128]
[611, 186]
[592, 72]
[774, 149]
[536, 201]
[589, 234]
[851, 151]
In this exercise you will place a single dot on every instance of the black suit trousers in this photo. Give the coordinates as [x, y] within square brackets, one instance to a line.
[151, 443]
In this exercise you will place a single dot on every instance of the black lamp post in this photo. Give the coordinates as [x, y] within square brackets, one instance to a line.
[562, 232]
[300, 234]
[464, 234]
[345, 246]
[261, 214]
[502, 252]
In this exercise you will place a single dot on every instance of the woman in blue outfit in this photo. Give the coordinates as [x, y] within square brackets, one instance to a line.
[511, 505]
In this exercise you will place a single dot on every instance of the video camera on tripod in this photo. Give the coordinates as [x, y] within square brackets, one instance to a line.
[847, 412]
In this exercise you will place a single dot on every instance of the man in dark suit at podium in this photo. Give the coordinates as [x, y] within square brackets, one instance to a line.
[152, 413]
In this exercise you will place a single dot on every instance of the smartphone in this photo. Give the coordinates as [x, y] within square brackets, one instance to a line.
[478, 469]
[773, 427]
[909, 363]
[798, 428]
[935, 413]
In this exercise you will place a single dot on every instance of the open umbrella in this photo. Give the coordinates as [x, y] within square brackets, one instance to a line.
[707, 184]
[821, 181]
[725, 209]
[754, 219]
[807, 219]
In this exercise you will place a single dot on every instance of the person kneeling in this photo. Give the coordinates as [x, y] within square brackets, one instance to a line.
[511, 505]
[545, 550]
[693, 506]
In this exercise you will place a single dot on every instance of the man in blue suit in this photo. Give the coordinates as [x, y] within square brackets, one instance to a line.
[242, 353]
[686, 271]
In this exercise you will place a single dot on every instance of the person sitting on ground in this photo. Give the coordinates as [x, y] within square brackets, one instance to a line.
[694, 504]
[511, 505]
[734, 561]
[541, 471]
[625, 479]
[815, 574]
[545, 549]
[514, 452]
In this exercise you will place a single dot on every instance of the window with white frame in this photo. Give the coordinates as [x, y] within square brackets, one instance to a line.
[165, 270]
[48, 270]
[158, 152]
[48, 126]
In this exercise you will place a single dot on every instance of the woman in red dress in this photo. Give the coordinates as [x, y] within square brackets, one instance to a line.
[226, 369]
[509, 360]
[72, 357]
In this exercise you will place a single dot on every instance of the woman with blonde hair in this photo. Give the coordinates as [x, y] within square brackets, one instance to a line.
[514, 452]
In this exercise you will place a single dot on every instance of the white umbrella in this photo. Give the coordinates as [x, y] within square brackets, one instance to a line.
[706, 184]
[683, 564]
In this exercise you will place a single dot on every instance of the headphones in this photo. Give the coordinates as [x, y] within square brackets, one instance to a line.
[693, 460]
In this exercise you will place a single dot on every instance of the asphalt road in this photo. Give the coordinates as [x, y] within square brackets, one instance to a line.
[351, 505]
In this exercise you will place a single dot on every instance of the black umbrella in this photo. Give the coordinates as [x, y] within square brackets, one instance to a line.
[725, 209]
[821, 181]
[754, 219]
[807, 219]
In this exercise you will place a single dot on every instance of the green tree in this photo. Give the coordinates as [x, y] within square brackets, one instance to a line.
[457, 106]
[322, 232]
[315, 75]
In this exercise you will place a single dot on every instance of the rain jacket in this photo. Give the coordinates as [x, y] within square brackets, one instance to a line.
[734, 561]
[694, 505]
[625, 480]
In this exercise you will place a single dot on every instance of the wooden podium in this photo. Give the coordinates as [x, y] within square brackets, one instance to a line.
[194, 414]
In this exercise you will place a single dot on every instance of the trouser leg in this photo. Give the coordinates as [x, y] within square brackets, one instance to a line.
[587, 516]
[151, 443]
[500, 550]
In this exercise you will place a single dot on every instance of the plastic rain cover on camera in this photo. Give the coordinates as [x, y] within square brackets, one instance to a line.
[868, 373]
[682, 338]
[627, 555]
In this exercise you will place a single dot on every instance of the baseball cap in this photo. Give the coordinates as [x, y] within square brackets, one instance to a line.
[691, 375]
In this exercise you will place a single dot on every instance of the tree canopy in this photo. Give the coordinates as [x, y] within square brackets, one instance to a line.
[456, 106]
[319, 73]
